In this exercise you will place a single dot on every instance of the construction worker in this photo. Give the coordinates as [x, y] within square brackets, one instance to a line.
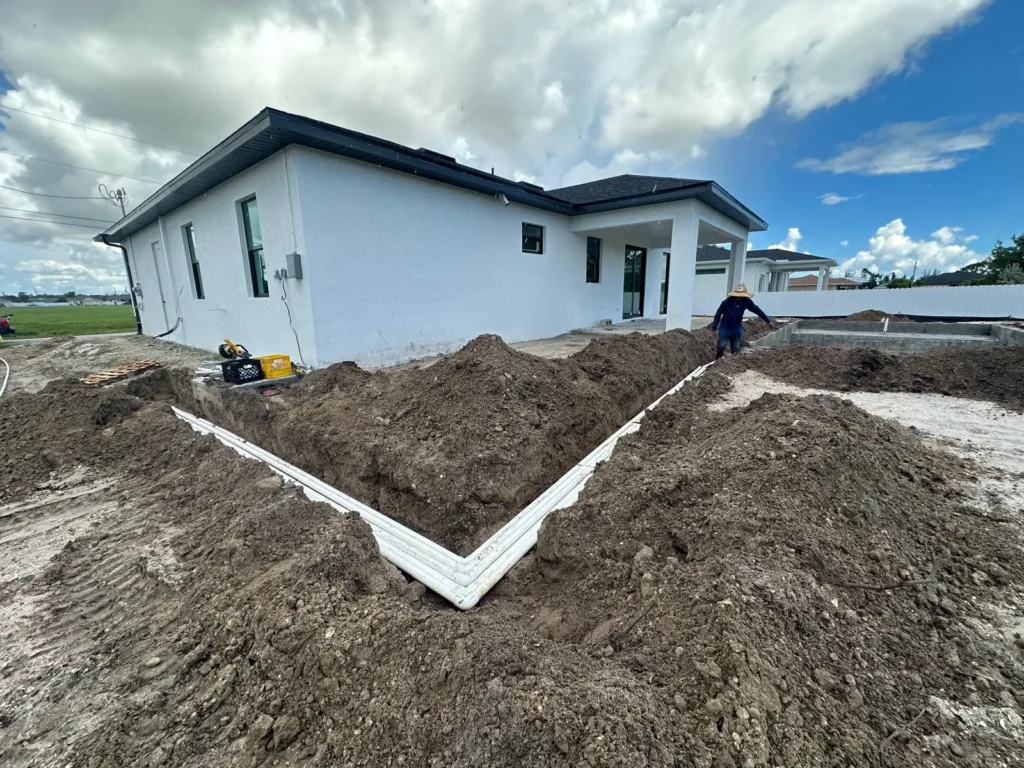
[729, 319]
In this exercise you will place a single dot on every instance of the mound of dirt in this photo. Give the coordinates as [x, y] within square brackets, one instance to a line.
[456, 449]
[794, 575]
[980, 374]
[877, 315]
[715, 599]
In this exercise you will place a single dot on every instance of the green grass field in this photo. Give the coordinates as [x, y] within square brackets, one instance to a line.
[32, 322]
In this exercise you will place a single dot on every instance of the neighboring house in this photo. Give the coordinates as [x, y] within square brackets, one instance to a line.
[946, 280]
[300, 237]
[813, 282]
[767, 270]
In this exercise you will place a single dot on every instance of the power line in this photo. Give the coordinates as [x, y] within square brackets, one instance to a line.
[41, 194]
[98, 130]
[49, 221]
[65, 215]
[79, 167]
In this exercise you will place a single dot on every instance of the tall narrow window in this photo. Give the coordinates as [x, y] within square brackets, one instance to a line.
[193, 260]
[254, 248]
[533, 238]
[593, 260]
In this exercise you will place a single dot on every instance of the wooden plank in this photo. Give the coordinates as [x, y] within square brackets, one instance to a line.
[120, 372]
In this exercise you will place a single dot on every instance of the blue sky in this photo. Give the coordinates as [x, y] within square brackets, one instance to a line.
[781, 101]
[966, 77]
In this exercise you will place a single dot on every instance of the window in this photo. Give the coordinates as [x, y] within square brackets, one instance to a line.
[593, 260]
[719, 271]
[533, 238]
[193, 260]
[254, 248]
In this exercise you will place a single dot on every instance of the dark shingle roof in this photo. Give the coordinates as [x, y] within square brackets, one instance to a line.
[272, 130]
[948, 278]
[717, 253]
[616, 187]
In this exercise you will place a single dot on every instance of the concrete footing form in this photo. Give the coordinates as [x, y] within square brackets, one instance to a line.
[892, 337]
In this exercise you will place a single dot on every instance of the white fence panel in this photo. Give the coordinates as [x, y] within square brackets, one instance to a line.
[981, 301]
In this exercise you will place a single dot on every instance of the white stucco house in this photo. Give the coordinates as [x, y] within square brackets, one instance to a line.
[300, 237]
[767, 270]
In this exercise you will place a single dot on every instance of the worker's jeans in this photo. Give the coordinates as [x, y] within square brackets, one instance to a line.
[733, 339]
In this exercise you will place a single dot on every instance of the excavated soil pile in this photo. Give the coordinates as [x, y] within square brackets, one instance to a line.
[792, 578]
[711, 602]
[457, 449]
[877, 315]
[993, 374]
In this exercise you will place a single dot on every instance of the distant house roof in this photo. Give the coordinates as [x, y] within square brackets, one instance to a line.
[948, 278]
[813, 280]
[272, 130]
[716, 253]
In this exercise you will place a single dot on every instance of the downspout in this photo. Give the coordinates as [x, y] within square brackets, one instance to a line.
[131, 282]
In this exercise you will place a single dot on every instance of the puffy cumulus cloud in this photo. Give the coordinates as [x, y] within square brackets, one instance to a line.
[891, 249]
[792, 241]
[844, 243]
[912, 148]
[552, 91]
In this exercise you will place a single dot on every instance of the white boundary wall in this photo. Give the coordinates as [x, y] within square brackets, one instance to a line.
[982, 301]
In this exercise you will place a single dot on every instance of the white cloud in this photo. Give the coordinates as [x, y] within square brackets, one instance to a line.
[461, 150]
[892, 250]
[912, 148]
[792, 241]
[624, 161]
[844, 243]
[832, 198]
[947, 235]
[559, 92]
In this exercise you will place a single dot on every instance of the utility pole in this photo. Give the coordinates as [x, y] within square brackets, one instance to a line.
[119, 199]
[116, 197]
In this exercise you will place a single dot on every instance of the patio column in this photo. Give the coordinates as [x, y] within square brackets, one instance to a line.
[737, 260]
[684, 267]
[822, 279]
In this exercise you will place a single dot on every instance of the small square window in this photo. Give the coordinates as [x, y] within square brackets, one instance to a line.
[533, 238]
[593, 260]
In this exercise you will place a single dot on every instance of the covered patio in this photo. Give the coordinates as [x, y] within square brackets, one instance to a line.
[654, 250]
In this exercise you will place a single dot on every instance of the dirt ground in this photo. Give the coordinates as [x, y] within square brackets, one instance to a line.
[456, 449]
[752, 579]
[39, 363]
[995, 374]
[877, 315]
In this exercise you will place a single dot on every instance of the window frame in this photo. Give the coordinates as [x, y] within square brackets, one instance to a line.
[539, 238]
[254, 251]
[188, 234]
[597, 263]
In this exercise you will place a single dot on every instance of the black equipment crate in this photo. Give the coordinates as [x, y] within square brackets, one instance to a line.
[241, 371]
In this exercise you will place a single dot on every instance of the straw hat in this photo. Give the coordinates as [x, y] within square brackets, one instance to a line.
[741, 292]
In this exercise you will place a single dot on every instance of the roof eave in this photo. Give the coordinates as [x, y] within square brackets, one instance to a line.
[124, 227]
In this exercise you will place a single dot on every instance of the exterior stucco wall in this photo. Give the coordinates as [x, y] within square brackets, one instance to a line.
[407, 267]
[229, 310]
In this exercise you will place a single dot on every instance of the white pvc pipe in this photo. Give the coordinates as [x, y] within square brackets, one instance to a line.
[463, 581]
[7, 376]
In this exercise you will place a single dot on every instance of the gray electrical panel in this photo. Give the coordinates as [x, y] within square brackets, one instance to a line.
[293, 263]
